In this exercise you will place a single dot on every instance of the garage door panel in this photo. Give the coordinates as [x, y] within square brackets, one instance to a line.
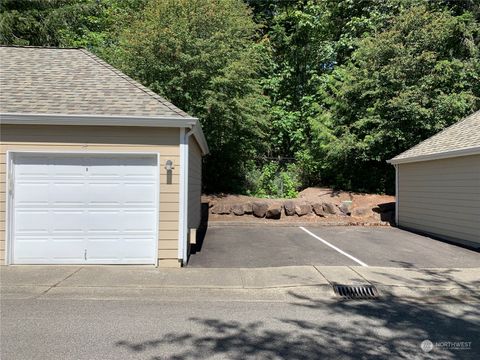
[62, 221]
[107, 221]
[36, 221]
[104, 194]
[71, 168]
[139, 194]
[135, 221]
[66, 194]
[32, 194]
[85, 209]
[114, 167]
[36, 250]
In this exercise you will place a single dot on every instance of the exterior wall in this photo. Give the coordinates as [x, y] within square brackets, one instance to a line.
[442, 198]
[104, 138]
[194, 184]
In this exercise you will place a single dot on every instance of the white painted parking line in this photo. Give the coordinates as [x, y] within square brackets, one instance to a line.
[334, 247]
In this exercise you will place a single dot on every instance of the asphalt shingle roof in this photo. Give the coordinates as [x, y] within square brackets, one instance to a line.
[72, 82]
[464, 134]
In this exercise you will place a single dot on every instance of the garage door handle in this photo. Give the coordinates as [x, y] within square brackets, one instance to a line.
[85, 254]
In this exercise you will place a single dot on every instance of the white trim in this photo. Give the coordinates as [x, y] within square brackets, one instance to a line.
[475, 150]
[334, 247]
[10, 177]
[157, 219]
[181, 217]
[183, 213]
[396, 192]
[186, 186]
[108, 120]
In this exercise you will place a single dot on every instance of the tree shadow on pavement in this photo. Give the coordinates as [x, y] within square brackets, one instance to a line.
[330, 329]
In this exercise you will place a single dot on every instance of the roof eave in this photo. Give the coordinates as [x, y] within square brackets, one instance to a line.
[475, 150]
[108, 120]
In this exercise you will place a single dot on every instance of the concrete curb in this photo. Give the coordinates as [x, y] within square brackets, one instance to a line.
[246, 283]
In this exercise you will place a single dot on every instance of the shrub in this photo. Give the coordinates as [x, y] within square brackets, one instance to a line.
[272, 180]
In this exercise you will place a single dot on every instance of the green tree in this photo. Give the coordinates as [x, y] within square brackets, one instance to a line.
[309, 39]
[399, 87]
[91, 24]
[205, 57]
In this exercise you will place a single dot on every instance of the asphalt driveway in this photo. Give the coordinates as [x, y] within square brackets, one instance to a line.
[270, 246]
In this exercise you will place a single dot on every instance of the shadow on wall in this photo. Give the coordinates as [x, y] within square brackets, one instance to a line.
[202, 230]
[389, 328]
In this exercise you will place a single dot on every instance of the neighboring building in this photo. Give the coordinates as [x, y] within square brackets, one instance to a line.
[84, 164]
[438, 184]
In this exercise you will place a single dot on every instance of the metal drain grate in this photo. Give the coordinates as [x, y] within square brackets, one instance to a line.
[356, 291]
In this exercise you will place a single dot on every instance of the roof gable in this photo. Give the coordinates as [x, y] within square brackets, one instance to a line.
[73, 82]
[461, 138]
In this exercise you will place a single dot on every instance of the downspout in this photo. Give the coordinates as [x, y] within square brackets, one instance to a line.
[183, 246]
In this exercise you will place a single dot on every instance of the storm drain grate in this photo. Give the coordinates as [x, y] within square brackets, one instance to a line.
[356, 291]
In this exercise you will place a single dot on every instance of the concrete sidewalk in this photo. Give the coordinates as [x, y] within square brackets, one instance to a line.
[104, 282]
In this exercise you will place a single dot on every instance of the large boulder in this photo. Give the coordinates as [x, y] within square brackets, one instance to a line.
[345, 208]
[289, 207]
[259, 208]
[238, 209]
[274, 211]
[247, 208]
[302, 209]
[361, 211]
[329, 208]
[221, 209]
[318, 209]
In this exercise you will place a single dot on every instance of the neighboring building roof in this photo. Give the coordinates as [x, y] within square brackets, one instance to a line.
[72, 81]
[460, 139]
[74, 87]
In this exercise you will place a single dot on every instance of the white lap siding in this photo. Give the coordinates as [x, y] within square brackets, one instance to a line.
[441, 197]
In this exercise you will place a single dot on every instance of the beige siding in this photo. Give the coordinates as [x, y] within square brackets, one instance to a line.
[194, 184]
[103, 138]
[442, 197]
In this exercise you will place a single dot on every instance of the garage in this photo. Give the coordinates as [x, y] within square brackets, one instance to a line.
[438, 184]
[95, 168]
[74, 209]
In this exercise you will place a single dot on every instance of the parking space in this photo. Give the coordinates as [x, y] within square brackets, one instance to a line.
[267, 246]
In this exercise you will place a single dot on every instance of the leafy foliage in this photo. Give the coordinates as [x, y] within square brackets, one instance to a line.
[400, 86]
[339, 85]
[204, 56]
[64, 23]
[272, 180]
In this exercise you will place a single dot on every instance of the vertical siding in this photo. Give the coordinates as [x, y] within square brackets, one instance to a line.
[104, 138]
[194, 184]
[442, 197]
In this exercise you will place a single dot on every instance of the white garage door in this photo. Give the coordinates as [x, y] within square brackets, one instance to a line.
[77, 209]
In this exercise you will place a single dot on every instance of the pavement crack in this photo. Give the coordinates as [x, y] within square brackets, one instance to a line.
[58, 283]
[363, 277]
[322, 275]
[242, 279]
